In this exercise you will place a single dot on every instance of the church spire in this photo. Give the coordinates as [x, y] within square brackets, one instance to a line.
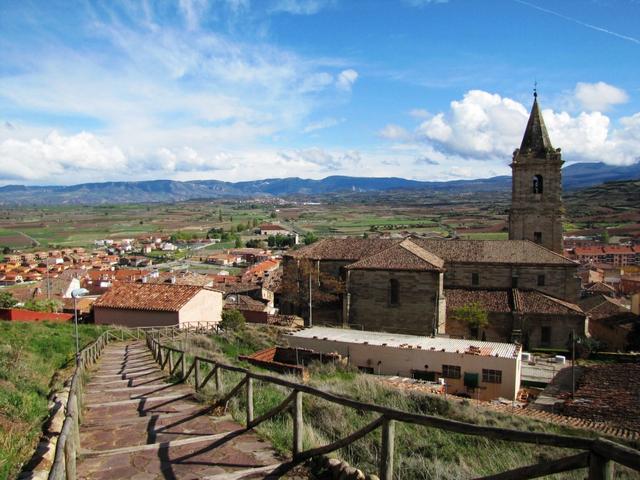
[536, 137]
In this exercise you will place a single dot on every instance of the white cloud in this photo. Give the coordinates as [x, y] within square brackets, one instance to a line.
[423, 3]
[322, 124]
[394, 132]
[57, 156]
[346, 79]
[300, 7]
[419, 113]
[599, 96]
[487, 127]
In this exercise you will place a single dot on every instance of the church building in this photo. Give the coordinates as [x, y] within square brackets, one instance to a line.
[417, 285]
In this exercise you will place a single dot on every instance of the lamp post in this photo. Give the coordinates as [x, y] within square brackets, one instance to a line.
[75, 294]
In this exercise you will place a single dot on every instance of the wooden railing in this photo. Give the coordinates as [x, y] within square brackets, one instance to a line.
[68, 445]
[598, 455]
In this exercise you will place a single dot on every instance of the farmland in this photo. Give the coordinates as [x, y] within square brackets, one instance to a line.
[482, 215]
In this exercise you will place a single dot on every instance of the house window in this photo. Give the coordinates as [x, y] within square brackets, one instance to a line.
[475, 279]
[537, 184]
[451, 371]
[537, 237]
[424, 375]
[514, 282]
[545, 335]
[541, 280]
[394, 292]
[491, 376]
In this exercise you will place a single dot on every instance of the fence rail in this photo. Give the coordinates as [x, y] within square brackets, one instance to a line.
[599, 454]
[68, 445]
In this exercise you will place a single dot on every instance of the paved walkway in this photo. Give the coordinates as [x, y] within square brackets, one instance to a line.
[137, 426]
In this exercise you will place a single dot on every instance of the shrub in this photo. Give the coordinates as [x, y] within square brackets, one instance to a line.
[232, 320]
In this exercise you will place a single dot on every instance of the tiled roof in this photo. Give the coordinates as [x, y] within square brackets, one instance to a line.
[405, 255]
[350, 249]
[145, 296]
[456, 251]
[510, 300]
[244, 302]
[271, 226]
[492, 251]
[497, 301]
[537, 302]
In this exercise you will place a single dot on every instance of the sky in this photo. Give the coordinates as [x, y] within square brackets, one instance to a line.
[252, 89]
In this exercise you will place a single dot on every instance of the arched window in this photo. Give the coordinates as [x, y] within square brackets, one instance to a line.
[537, 184]
[394, 292]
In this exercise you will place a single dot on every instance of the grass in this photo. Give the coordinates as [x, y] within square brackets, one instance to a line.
[421, 452]
[35, 359]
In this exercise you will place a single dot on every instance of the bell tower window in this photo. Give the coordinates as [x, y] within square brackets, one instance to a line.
[394, 292]
[537, 184]
[537, 237]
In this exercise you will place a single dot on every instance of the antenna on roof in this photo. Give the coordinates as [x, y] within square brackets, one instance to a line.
[535, 89]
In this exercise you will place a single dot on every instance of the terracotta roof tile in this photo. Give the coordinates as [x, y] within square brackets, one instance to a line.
[145, 296]
[405, 255]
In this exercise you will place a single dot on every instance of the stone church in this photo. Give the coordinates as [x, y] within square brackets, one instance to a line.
[416, 285]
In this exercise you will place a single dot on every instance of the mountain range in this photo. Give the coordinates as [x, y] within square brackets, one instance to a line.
[575, 176]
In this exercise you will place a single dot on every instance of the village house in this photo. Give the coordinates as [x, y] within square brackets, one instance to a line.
[267, 229]
[483, 370]
[146, 304]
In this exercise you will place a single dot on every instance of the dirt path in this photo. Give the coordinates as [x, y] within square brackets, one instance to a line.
[138, 426]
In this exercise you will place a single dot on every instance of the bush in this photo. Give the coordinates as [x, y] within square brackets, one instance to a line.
[232, 320]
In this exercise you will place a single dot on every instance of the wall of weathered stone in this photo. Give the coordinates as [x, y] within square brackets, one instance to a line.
[561, 327]
[560, 281]
[370, 307]
[499, 329]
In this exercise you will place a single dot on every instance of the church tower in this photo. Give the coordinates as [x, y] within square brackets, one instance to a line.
[536, 193]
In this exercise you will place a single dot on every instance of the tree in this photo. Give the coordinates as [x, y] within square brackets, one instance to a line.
[7, 300]
[605, 236]
[6, 250]
[220, 215]
[310, 238]
[273, 214]
[43, 305]
[254, 243]
[254, 222]
[474, 315]
[326, 289]
[238, 242]
[232, 319]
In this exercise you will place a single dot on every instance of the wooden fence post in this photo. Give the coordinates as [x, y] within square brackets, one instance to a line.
[298, 424]
[170, 362]
[196, 372]
[386, 455]
[600, 468]
[218, 379]
[249, 399]
[183, 360]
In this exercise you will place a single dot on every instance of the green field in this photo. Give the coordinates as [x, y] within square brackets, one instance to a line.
[35, 359]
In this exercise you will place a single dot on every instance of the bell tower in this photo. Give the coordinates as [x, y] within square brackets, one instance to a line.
[536, 193]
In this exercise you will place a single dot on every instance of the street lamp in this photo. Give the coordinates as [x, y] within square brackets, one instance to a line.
[75, 294]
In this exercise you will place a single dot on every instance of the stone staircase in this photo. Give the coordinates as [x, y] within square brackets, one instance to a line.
[138, 426]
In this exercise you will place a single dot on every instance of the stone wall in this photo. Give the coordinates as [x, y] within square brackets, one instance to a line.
[560, 329]
[499, 329]
[415, 312]
[559, 281]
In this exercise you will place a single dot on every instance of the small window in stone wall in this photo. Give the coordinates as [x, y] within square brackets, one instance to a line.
[541, 280]
[514, 282]
[491, 376]
[537, 237]
[545, 335]
[475, 279]
[394, 292]
[451, 371]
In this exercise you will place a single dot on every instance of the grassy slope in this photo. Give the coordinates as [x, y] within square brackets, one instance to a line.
[33, 360]
[420, 452]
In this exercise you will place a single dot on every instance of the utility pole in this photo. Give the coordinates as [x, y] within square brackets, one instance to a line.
[310, 303]
[573, 364]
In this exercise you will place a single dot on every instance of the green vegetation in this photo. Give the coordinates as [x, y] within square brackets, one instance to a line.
[421, 452]
[7, 300]
[474, 315]
[43, 305]
[35, 358]
[232, 319]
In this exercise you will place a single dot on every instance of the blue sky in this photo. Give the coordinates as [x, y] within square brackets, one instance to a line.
[248, 89]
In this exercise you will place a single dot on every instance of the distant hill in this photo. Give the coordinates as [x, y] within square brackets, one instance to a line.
[575, 176]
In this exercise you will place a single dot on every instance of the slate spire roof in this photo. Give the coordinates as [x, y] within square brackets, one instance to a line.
[536, 137]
